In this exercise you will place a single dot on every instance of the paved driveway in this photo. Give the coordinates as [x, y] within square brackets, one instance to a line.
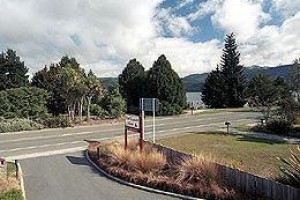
[69, 176]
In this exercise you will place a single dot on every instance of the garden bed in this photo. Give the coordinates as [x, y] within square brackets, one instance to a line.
[196, 176]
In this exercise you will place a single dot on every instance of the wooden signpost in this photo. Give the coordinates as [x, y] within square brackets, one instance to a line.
[135, 124]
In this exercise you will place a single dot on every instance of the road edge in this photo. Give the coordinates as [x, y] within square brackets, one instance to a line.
[21, 180]
[148, 189]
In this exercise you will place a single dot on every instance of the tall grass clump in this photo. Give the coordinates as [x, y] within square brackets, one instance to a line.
[193, 170]
[291, 169]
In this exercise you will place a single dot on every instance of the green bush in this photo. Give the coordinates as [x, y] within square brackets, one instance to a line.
[13, 194]
[56, 122]
[98, 111]
[278, 126]
[18, 124]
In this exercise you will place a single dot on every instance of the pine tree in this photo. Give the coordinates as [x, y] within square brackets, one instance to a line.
[234, 79]
[164, 83]
[213, 90]
[131, 82]
[13, 72]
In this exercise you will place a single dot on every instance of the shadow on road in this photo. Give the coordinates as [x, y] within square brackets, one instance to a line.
[78, 160]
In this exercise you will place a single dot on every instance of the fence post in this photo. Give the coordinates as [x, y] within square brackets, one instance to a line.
[18, 170]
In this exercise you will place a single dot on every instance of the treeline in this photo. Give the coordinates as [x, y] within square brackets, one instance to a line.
[227, 87]
[160, 82]
[62, 89]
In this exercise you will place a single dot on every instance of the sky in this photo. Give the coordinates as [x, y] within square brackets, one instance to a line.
[104, 35]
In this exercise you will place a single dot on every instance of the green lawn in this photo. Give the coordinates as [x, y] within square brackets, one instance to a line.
[247, 153]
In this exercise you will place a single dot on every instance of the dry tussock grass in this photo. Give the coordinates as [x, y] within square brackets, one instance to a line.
[8, 183]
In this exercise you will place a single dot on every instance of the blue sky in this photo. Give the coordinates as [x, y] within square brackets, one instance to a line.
[104, 35]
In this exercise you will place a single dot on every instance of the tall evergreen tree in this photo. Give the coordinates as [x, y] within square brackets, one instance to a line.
[164, 83]
[295, 78]
[13, 72]
[131, 82]
[213, 93]
[234, 79]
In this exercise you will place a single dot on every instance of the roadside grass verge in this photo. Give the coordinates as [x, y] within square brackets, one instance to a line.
[258, 156]
[9, 185]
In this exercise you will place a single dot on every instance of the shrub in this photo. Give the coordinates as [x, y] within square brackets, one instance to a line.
[291, 170]
[18, 124]
[278, 126]
[13, 194]
[98, 111]
[56, 122]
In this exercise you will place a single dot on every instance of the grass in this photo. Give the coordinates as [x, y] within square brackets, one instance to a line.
[197, 176]
[250, 154]
[9, 185]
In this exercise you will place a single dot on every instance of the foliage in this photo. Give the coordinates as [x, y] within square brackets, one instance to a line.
[98, 111]
[13, 194]
[226, 84]
[13, 72]
[132, 86]
[234, 79]
[291, 169]
[56, 122]
[164, 83]
[264, 93]
[17, 124]
[93, 89]
[23, 102]
[278, 126]
[114, 104]
[295, 78]
[212, 93]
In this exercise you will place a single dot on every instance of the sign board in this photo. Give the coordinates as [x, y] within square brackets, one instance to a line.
[147, 104]
[132, 121]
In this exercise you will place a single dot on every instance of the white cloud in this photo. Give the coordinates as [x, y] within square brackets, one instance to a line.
[177, 26]
[287, 8]
[274, 45]
[240, 16]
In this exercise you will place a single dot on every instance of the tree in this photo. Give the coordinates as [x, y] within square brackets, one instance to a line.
[114, 104]
[295, 78]
[23, 102]
[265, 93]
[48, 79]
[13, 72]
[164, 83]
[234, 79]
[93, 89]
[213, 90]
[132, 84]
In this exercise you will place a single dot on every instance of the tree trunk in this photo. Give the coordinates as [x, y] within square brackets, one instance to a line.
[80, 111]
[88, 108]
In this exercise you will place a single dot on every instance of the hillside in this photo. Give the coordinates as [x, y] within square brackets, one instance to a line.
[194, 82]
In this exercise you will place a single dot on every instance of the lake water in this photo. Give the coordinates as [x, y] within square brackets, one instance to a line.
[194, 98]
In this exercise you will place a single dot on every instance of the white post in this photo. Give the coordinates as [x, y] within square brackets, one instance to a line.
[143, 116]
[153, 126]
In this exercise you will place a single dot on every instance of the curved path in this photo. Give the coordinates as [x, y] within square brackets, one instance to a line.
[70, 176]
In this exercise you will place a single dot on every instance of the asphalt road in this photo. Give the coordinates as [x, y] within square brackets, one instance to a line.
[59, 141]
[69, 176]
[54, 167]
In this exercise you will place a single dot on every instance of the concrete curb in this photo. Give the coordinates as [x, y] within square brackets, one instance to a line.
[21, 181]
[148, 189]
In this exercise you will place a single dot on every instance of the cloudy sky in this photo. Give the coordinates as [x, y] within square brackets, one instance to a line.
[104, 35]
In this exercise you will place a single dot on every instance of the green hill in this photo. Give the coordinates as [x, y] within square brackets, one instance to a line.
[194, 82]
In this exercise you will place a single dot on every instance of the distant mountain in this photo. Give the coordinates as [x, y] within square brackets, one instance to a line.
[109, 83]
[194, 82]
